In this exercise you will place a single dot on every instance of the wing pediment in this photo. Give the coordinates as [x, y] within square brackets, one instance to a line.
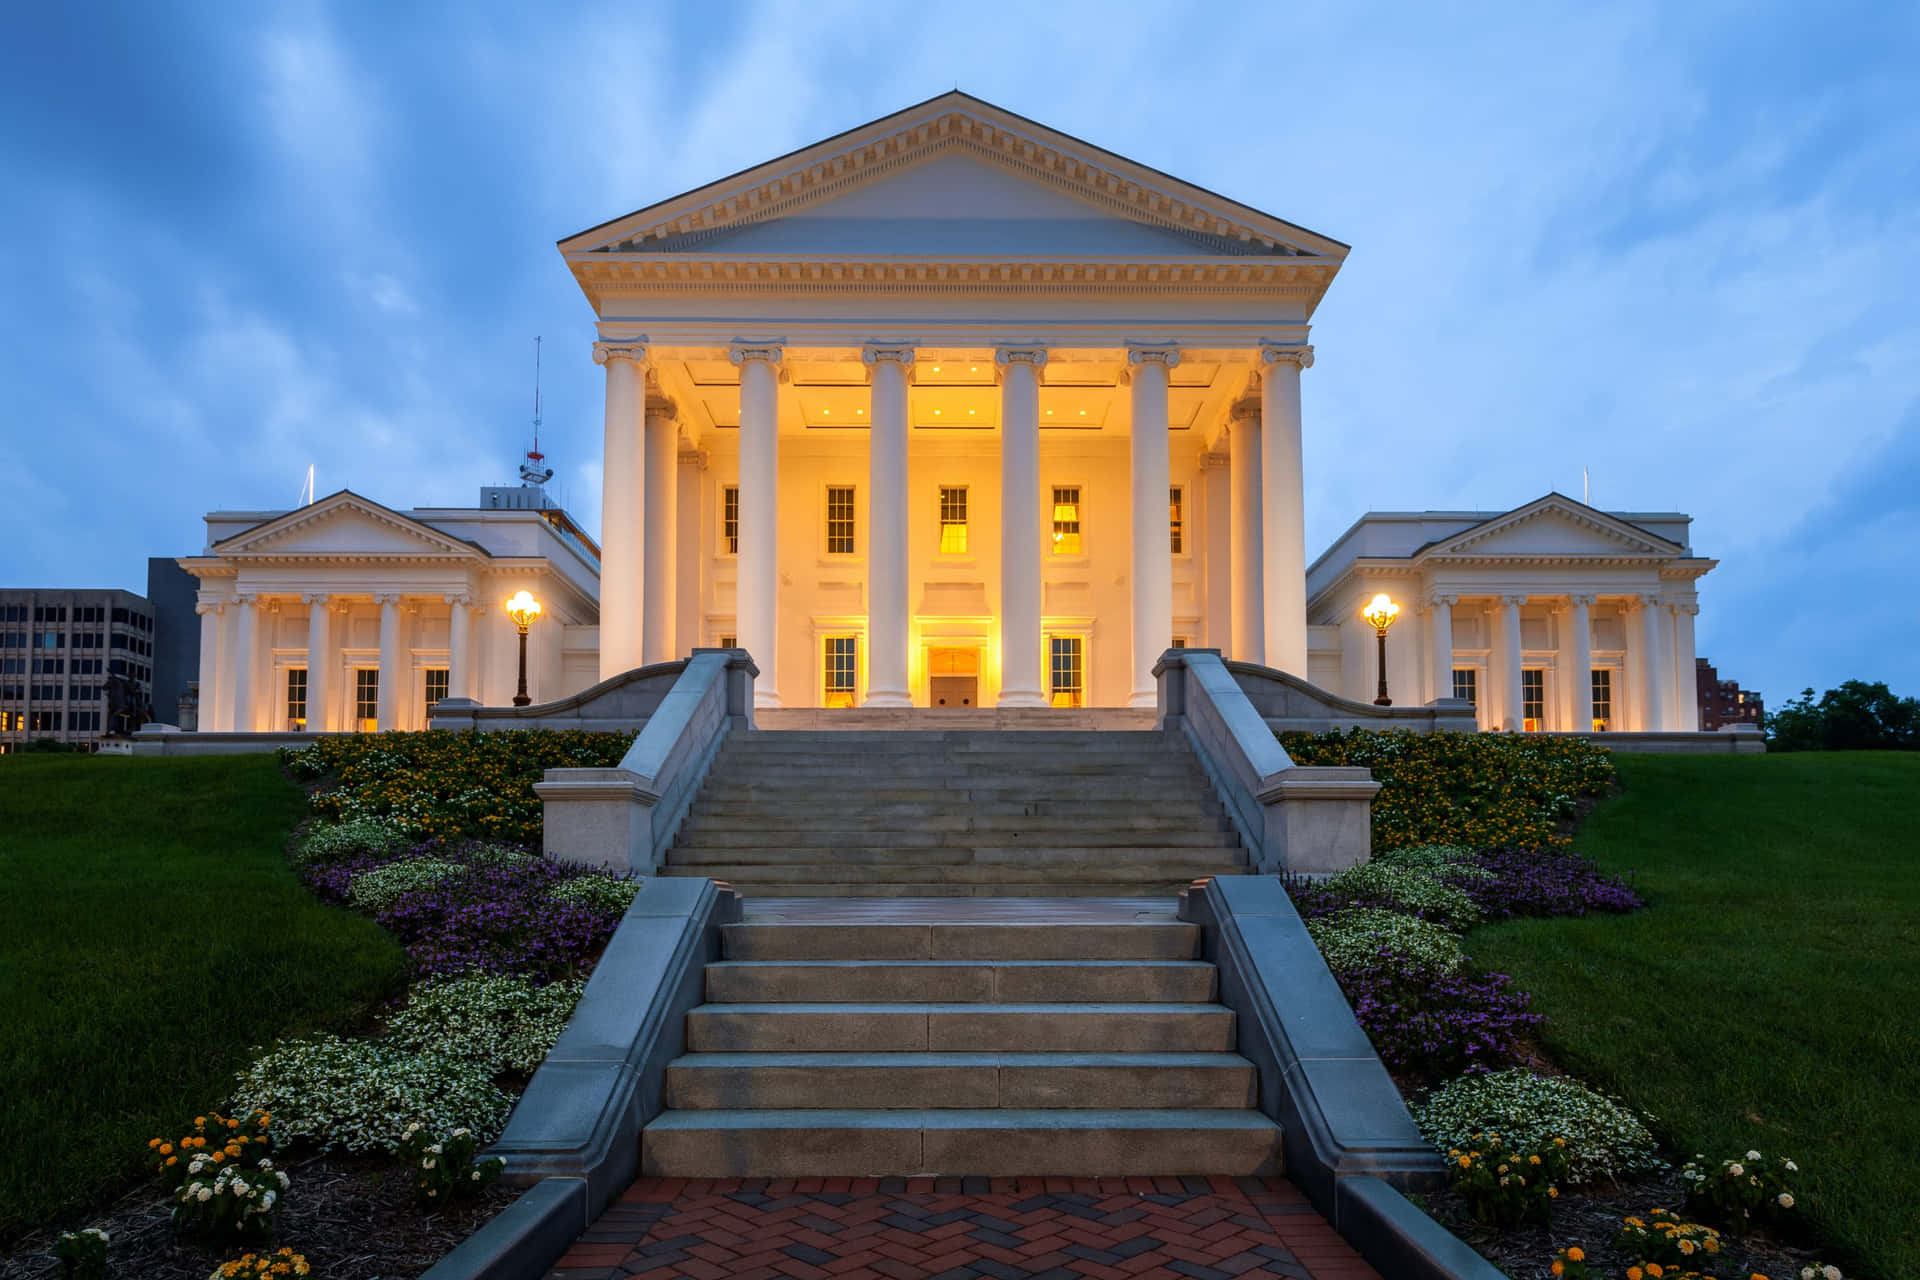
[345, 524]
[1553, 526]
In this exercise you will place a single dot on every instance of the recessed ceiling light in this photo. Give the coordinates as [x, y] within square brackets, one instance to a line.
[1049, 413]
[1083, 413]
[936, 368]
[936, 413]
[860, 411]
[969, 413]
[974, 369]
[825, 412]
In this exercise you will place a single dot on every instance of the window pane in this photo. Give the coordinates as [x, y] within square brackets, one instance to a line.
[1066, 521]
[1466, 684]
[1173, 518]
[730, 519]
[296, 699]
[841, 670]
[366, 698]
[436, 686]
[953, 521]
[1533, 700]
[1063, 670]
[1602, 699]
[840, 520]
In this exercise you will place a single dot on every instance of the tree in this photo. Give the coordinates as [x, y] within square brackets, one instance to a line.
[1855, 717]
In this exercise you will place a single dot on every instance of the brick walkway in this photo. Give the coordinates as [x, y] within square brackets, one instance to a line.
[954, 1228]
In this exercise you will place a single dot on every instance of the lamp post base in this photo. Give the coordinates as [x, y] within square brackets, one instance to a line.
[1383, 702]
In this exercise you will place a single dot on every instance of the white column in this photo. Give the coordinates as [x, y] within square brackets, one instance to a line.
[1249, 599]
[691, 551]
[388, 706]
[1653, 665]
[1686, 673]
[758, 592]
[459, 646]
[209, 711]
[1441, 612]
[1216, 511]
[1283, 528]
[1020, 517]
[662, 521]
[246, 680]
[1152, 549]
[319, 659]
[622, 502]
[1580, 629]
[887, 503]
[1510, 695]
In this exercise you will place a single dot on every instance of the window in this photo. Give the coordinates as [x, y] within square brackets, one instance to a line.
[437, 686]
[1466, 684]
[1602, 699]
[43, 721]
[1064, 671]
[730, 519]
[1066, 520]
[729, 642]
[1179, 642]
[1533, 698]
[296, 699]
[842, 661]
[1174, 524]
[46, 639]
[953, 521]
[366, 698]
[839, 520]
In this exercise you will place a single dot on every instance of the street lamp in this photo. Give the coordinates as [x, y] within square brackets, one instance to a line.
[1380, 612]
[523, 609]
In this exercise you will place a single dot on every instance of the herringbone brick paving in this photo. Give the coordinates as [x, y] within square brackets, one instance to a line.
[1212, 1228]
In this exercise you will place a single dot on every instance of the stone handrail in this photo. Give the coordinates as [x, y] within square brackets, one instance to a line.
[1305, 819]
[624, 818]
[615, 705]
[1287, 702]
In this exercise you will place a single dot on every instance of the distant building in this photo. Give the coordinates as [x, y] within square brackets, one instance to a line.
[173, 592]
[74, 665]
[1724, 702]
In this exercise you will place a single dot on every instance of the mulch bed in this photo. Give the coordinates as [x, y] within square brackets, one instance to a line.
[1590, 1217]
[353, 1218]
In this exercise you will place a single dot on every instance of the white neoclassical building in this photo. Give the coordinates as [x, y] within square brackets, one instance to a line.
[1553, 616]
[952, 409]
[347, 615]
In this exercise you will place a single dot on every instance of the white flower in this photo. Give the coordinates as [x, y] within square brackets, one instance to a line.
[205, 1195]
[1753, 1155]
[461, 1133]
[283, 1180]
[1830, 1272]
[1792, 1167]
[240, 1186]
[476, 1175]
[427, 1163]
[271, 1196]
[266, 1164]
[1735, 1170]
[1785, 1200]
[434, 1150]
[432, 1194]
[1808, 1273]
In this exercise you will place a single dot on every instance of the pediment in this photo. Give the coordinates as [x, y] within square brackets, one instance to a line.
[345, 524]
[1553, 526]
[953, 177]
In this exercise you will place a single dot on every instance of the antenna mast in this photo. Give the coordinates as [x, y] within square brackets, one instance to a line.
[532, 473]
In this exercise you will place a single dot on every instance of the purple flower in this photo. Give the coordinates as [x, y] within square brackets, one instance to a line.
[1438, 1026]
[1525, 883]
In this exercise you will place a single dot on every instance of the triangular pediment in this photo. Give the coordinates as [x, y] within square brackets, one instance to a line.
[954, 177]
[345, 524]
[1553, 526]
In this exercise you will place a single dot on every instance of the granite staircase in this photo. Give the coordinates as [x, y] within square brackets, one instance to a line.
[956, 813]
[942, 1037]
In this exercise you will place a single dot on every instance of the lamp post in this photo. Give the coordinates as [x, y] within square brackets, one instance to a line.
[523, 609]
[1380, 612]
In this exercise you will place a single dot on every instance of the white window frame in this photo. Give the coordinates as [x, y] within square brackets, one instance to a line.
[1052, 555]
[826, 627]
[720, 547]
[1185, 551]
[940, 526]
[839, 558]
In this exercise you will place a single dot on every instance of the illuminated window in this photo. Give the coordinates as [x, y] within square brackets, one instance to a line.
[1602, 699]
[730, 519]
[1175, 531]
[839, 520]
[1066, 521]
[1466, 684]
[1064, 672]
[366, 698]
[729, 642]
[296, 699]
[842, 663]
[953, 521]
[1533, 698]
[437, 686]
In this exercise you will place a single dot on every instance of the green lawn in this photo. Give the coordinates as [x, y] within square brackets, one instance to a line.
[153, 933]
[1770, 995]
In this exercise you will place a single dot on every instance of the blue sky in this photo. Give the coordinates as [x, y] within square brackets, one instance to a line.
[1677, 244]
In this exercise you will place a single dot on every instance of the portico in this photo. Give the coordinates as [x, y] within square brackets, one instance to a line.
[952, 389]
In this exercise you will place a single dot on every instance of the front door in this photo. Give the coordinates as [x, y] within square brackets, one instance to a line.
[953, 678]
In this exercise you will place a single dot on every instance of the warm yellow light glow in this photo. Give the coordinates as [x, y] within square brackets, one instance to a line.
[1599, 724]
[1380, 612]
[936, 368]
[936, 413]
[970, 413]
[1065, 512]
[523, 609]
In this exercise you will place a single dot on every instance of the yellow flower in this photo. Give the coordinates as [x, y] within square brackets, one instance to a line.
[1686, 1248]
[1553, 1193]
[166, 1148]
[1635, 1273]
[1655, 1270]
[1465, 1163]
[1557, 1268]
[1533, 1159]
[1577, 1254]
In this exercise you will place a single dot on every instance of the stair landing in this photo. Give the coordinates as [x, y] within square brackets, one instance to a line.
[928, 718]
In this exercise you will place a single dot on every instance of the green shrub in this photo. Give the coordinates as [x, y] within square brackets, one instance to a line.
[445, 1169]
[1414, 890]
[360, 1095]
[1353, 939]
[495, 1022]
[82, 1254]
[1505, 1184]
[1604, 1139]
[328, 842]
[1482, 790]
[1452, 863]
[499, 855]
[604, 892]
[376, 890]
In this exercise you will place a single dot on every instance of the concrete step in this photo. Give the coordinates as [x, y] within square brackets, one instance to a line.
[948, 806]
[972, 719]
[977, 738]
[1089, 888]
[960, 1027]
[1079, 1081]
[1058, 844]
[1169, 870]
[1002, 1142]
[955, 773]
[863, 860]
[1025, 789]
[997, 942]
[959, 981]
[945, 819]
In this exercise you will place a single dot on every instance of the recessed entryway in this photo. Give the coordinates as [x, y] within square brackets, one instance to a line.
[953, 677]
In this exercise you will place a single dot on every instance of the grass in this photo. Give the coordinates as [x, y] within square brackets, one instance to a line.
[1769, 997]
[153, 934]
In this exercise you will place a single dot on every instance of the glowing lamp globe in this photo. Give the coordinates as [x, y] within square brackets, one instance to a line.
[523, 609]
[1380, 612]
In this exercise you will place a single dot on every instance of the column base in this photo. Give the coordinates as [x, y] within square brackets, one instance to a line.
[886, 698]
[1021, 698]
[1148, 698]
[765, 698]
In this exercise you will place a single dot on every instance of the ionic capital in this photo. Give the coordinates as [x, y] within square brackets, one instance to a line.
[214, 607]
[1247, 410]
[1301, 356]
[698, 457]
[766, 353]
[1442, 600]
[873, 354]
[457, 598]
[314, 597]
[245, 599]
[1582, 602]
[1681, 606]
[608, 352]
[1035, 356]
[1138, 355]
[384, 598]
[1214, 458]
[1515, 600]
[661, 406]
